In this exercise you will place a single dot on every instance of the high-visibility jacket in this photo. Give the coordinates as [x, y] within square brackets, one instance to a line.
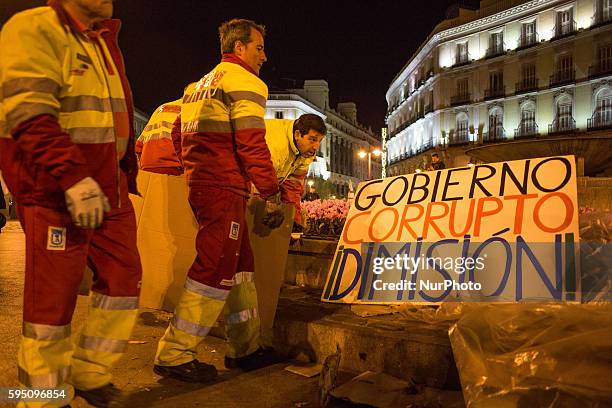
[154, 145]
[223, 131]
[67, 105]
[291, 167]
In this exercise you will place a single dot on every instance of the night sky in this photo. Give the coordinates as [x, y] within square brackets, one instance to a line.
[357, 46]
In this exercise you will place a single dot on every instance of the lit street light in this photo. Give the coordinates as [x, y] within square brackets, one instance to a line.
[362, 154]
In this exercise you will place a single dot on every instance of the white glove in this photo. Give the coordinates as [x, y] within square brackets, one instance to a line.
[86, 203]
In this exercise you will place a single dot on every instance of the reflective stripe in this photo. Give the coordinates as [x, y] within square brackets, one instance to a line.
[190, 327]
[247, 96]
[241, 317]
[92, 135]
[205, 290]
[101, 301]
[53, 379]
[45, 331]
[92, 103]
[206, 126]
[25, 111]
[249, 122]
[157, 136]
[158, 125]
[102, 344]
[244, 277]
[22, 85]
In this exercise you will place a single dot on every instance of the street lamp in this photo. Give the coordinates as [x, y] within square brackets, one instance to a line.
[362, 155]
[310, 183]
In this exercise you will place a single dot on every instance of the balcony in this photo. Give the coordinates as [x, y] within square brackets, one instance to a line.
[602, 68]
[600, 19]
[564, 124]
[494, 135]
[526, 85]
[428, 109]
[567, 76]
[495, 93]
[461, 99]
[600, 120]
[496, 50]
[527, 40]
[526, 129]
[564, 30]
[462, 59]
[461, 137]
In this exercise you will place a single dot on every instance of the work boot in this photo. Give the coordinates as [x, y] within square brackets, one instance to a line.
[193, 372]
[102, 397]
[263, 357]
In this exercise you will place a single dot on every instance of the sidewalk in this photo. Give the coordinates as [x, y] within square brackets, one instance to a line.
[270, 387]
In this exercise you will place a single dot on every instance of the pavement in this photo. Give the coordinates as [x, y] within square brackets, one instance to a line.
[271, 387]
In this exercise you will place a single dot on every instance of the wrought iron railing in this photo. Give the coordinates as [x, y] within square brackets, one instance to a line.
[564, 29]
[602, 68]
[563, 77]
[462, 136]
[527, 128]
[495, 134]
[462, 59]
[600, 120]
[527, 40]
[495, 49]
[461, 99]
[526, 85]
[493, 93]
[562, 124]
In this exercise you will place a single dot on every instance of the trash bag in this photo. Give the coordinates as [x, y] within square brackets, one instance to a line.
[535, 355]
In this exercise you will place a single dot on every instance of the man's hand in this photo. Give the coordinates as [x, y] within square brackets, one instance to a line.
[274, 213]
[86, 203]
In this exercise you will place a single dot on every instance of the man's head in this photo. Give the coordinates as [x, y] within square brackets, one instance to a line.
[90, 10]
[245, 39]
[308, 132]
[435, 158]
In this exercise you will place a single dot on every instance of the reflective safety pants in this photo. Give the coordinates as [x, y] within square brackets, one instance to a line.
[220, 279]
[57, 254]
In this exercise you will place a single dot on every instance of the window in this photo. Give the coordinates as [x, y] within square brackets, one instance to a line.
[462, 87]
[462, 129]
[496, 44]
[564, 70]
[278, 115]
[528, 124]
[528, 34]
[496, 124]
[603, 12]
[564, 115]
[604, 57]
[603, 108]
[565, 22]
[496, 80]
[462, 53]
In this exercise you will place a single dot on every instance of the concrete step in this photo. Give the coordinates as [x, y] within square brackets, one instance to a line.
[402, 347]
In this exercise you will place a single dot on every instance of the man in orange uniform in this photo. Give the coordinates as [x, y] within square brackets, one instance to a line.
[67, 156]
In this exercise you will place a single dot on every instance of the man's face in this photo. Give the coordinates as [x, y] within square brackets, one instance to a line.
[309, 143]
[435, 159]
[252, 53]
[95, 9]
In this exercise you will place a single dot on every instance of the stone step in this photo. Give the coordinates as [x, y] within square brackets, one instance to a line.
[400, 346]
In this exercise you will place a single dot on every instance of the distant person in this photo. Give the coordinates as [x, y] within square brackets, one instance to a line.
[2, 207]
[311, 195]
[436, 163]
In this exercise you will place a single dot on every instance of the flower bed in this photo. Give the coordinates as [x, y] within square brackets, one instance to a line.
[325, 218]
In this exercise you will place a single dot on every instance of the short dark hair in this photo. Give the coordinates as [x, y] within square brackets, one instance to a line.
[308, 122]
[435, 155]
[237, 29]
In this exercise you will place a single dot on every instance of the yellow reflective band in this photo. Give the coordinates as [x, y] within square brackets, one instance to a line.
[241, 317]
[102, 344]
[158, 125]
[25, 111]
[156, 136]
[92, 103]
[189, 327]
[249, 122]
[241, 277]
[45, 332]
[236, 96]
[92, 135]
[22, 85]
[101, 301]
[205, 290]
[53, 379]
[206, 126]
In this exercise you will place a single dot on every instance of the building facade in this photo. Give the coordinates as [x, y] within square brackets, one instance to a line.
[337, 160]
[508, 71]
